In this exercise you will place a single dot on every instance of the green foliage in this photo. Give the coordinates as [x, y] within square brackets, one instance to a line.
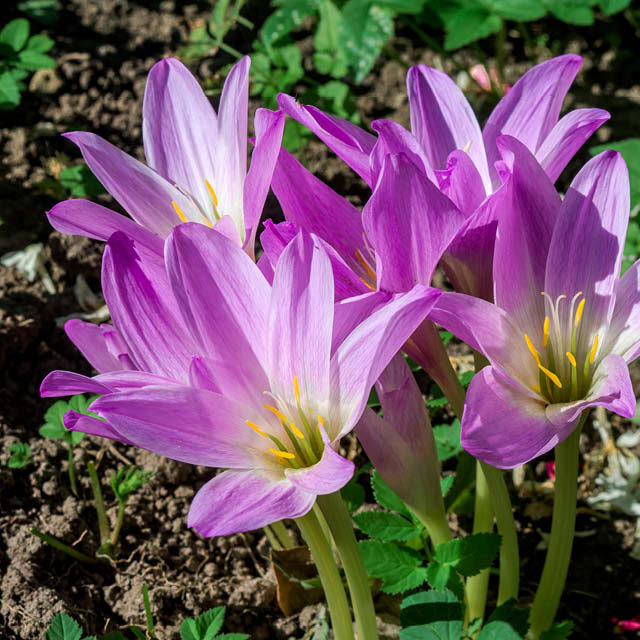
[20, 455]
[206, 627]
[447, 438]
[398, 567]
[507, 622]
[44, 11]
[80, 182]
[385, 496]
[430, 615]
[386, 526]
[54, 419]
[558, 631]
[20, 54]
[288, 16]
[64, 627]
[127, 480]
[353, 493]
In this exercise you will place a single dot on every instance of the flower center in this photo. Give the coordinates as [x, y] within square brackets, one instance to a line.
[300, 444]
[567, 354]
[214, 202]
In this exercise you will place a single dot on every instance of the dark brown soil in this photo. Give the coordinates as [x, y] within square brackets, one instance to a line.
[104, 50]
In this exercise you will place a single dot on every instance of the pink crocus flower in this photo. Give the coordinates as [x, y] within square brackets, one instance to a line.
[564, 326]
[208, 364]
[196, 169]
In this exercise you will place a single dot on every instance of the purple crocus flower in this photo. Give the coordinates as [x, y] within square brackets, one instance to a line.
[228, 371]
[196, 162]
[563, 327]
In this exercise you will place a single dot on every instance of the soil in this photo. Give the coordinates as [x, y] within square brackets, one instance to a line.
[104, 49]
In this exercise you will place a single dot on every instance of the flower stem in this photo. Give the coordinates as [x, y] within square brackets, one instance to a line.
[509, 555]
[341, 527]
[556, 564]
[281, 532]
[72, 472]
[435, 523]
[119, 521]
[61, 546]
[329, 576]
[272, 538]
[103, 522]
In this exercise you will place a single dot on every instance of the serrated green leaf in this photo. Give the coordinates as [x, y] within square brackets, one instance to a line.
[437, 402]
[469, 25]
[286, 18]
[9, 91]
[210, 622]
[40, 43]
[431, 615]
[438, 575]
[558, 631]
[446, 483]
[469, 555]
[52, 431]
[398, 567]
[385, 526]
[64, 627]
[506, 622]
[15, 33]
[385, 496]
[189, 630]
[365, 29]
[447, 439]
[609, 7]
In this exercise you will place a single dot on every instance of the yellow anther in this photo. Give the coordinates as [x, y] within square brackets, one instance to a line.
[178, 211]
[552, 376]
[571, 358]
[594, 349]
[286, 420]
[212, 193]
[366, 267]
[367, 284]
[545, 332]
[256, 428]
[296, 389]
[320, 420]
[534, 353]
[537, 389]
[579, 310]
[282, 454]
[467, 147]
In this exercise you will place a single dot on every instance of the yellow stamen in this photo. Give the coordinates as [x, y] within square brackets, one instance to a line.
[594, 349]
[212, 193]
[537, 389]
[180, 214]
[366, 267]
[367, 284]
[282, 454]
[296, 389]
[579, 310]
[256, 428]
[545, 332]
[571, 357]
[467, 147]
[284, 419]
[534, 353]
[320, 424]
[552, 376]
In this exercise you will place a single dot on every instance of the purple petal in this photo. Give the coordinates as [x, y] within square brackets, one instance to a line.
[239, 500]
[67, 383]
[410, 224]
[442, 119]
[93, 426]
[329, 474]
[588, 240]
[566, 137]
[222, 295]
[86, 218]
[504, 427]
[461, 182]
[269, 126]
[611, 388]
[124, 380]
[179, 130]
[345, 139]
[301, 322]
[144, 311]
[360, 359]
[144, 194]
[530, 109]
[90, 340]
[350, 312]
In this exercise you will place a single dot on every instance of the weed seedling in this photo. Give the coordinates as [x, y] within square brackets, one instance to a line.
[20, 455]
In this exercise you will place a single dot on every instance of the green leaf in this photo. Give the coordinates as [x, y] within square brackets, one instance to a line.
[81, 182]
[44, 11]
[365, 29]
[385, 496]
[446, 483]
[20, 455]
[15, 34]
[465, 378]
[64, 627]
[40, 43]
[286, 18]
[189, 630]
[448, 440]
[385, 526]
[329, 57]
[353, 493]
[507, 622]
[9, 91]
[469, 555]
[402, 6]
[232, 636]
[558, 631]
[609, 7]
[130, 479]
[571, 11]
[430, 615]
[398, 567]
[519, 10]
[295, 135]
[470, 25]
[630, 150]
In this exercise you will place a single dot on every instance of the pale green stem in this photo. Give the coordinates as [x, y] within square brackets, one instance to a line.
[556, 564]
[116, 532]
[271, 537]
[329, 576]
[61, 546]
[509, 555]
[339, 520]
[436, 525]
[282, 534]
[103, 522]
[476, 586]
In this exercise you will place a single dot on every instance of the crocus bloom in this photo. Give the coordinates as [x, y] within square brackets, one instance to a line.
[563, 327]
[448, 146]
[231, 372]
[196, 162]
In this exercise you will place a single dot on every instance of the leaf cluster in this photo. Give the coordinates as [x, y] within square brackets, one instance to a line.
[20, 455]
[127, 480]
[54, 419]
[19, 55]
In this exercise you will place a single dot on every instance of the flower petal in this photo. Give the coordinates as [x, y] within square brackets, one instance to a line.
[442, 119]
[239, 500]
[329, 474]
[93, 426]
[345, 139]
[301, 322]
[68, 383]
[530, 109]
[145, 195]
[86, 218]
[504, 427]
[410, 224]
[588, 240]
[566, 137]
[461, 182]
[179, 130]
[360, 359]
[90, 339]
